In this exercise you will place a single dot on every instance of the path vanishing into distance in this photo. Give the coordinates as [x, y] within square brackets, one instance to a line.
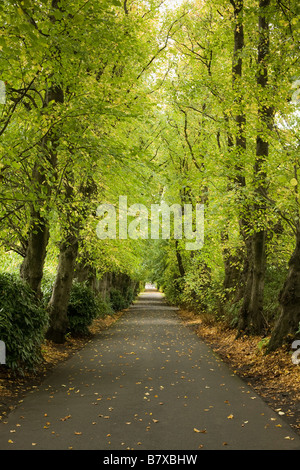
[146, 383]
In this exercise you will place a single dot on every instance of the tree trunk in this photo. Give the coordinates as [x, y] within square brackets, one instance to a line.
[287, 325]
[237, 72]
[31, 270]
[233, 262]
[69, 247]
[38, 236]
[251, 315]
[59, 301]
[232, 272]
[179, 259]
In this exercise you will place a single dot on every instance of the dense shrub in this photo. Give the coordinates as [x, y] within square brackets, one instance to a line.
[83, 308]
[129, 296]
[121, 299]
[275, 278]
[47, 286]
[117, 300]
[104, 307]
[23, 322]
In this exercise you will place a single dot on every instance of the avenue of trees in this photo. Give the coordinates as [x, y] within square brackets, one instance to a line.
[195, 103]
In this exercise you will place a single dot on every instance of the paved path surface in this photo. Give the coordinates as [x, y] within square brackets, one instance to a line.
[148, 382]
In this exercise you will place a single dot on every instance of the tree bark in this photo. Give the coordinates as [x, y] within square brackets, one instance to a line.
[232, 269]
[69, 247]
[179, 259]
[251, 318]
[251, 315]
[32, 267]
[237, 71]
[233, 262]
[59, 301]
[38, 236]
[31, 270]
[287, 326]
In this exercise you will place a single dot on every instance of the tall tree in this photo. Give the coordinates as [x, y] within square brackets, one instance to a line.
[251, 315]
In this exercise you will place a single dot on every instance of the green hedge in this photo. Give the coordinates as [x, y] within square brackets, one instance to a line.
[23, 322]
[83, 308]
[120, 300]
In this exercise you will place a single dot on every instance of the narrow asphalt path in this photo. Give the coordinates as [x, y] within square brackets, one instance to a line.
[148, 382]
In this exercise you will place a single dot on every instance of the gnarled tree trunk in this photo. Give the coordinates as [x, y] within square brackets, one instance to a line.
[287, 325]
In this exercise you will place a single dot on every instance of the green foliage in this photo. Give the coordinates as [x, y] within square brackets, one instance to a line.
[275, 277]
[143, 103]
[262, 344]
[22, 323]
[130, 295]
[104, 307]
[172, 289]
[83, 308]
[121, 297]
[47, 286]
[10, 261]
[118, 300]
[230, 313]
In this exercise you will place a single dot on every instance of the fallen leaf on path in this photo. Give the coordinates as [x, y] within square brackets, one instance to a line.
[65, 418]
